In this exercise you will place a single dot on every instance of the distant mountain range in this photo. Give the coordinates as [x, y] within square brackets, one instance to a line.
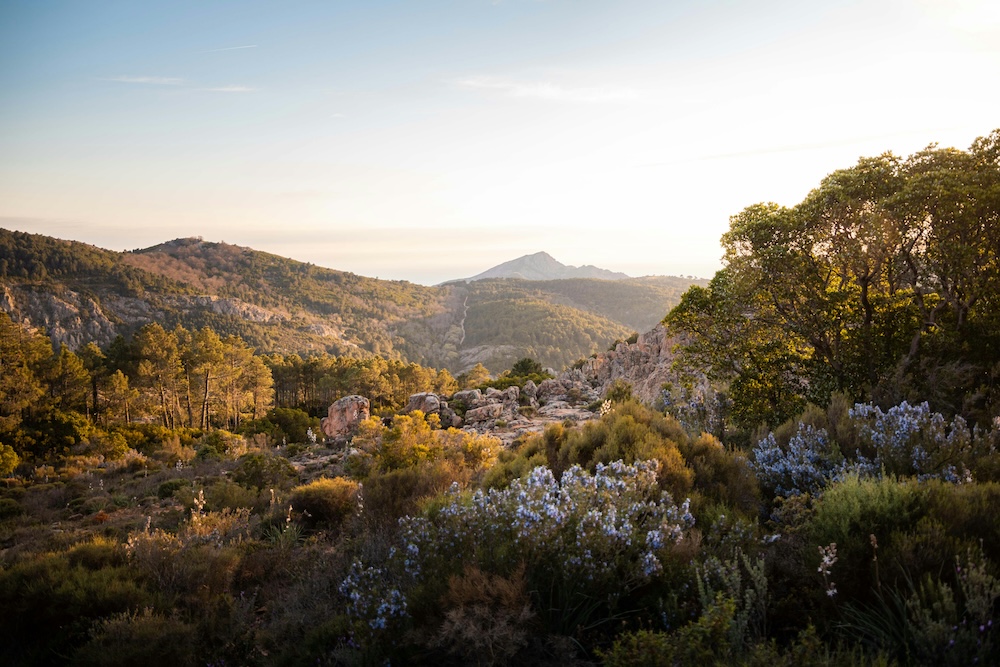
[542, 266]
[80, 293]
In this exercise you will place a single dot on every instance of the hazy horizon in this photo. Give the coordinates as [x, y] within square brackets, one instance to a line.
[432, 141]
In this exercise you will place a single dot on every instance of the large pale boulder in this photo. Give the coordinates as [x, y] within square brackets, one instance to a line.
[343, 417]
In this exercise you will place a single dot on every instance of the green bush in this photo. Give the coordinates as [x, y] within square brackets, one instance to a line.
[140, 638]
[226, 494]
[325, 502]
[49, 604]
[292, 424]
[853, 509]
[264, 471]
[98, 553]
[389, 496]
[168, 488]
[10, 508]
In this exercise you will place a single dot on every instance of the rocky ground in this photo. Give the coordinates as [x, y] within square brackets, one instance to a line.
[517, 411]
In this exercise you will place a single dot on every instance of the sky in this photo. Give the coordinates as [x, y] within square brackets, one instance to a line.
[430, 140]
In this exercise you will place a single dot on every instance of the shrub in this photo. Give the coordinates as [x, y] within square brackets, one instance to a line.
[10, 508]
[140, 638]
[912, 440]
[49, 604]
[292, 424]
[99, 552]
[416, 439]
[264, 471]
[9, 460]
[583, 538]
[855, 508]
[487, 617]
[804, 466]
[169, 487]
[619, 392]
[389, 496]
[722, 476]
[326, 502]
[226, 494]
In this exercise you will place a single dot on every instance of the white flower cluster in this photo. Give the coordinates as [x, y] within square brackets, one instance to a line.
[600, 528]
[827, 559]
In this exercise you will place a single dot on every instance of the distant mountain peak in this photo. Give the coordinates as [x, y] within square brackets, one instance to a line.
[543, 266]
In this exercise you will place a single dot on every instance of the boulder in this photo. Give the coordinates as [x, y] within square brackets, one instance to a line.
[484, 413]
[530, 390]
[343, 417]
[426, 402]
[470, 398]
[449, 418]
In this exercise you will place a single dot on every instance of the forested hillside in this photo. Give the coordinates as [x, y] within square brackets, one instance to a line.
[79, 293]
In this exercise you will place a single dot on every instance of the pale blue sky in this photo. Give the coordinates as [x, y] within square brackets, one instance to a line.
[430, 140]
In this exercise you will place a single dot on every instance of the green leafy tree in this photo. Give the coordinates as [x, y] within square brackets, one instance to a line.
[882, 283]
[476, 376]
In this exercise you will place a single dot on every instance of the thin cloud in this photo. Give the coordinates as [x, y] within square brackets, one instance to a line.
[148, 80]
[230, 89]
[544, 90]
[231, 48]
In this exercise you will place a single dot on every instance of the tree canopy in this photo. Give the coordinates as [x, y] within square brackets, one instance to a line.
[883, 284]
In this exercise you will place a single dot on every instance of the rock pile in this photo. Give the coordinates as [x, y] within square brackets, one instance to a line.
[513, 412]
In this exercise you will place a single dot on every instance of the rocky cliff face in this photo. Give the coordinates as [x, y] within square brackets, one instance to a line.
[77, 319]
[644, 364]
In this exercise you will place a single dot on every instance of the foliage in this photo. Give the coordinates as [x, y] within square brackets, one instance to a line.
[585, 539]
[839, 533]
[326, 502]
[416, 439]
[880, 284]
[263, 471]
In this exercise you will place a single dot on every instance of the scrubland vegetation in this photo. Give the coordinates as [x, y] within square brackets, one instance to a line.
[829, 498]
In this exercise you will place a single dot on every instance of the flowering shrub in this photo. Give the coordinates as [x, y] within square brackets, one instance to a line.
[904, 440]
[809, 461]
[597, 535]
[912, 440]
[371, 596]
[587, 536]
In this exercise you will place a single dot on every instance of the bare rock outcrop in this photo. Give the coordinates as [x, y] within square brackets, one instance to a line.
[343, 417]
[644, 364]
